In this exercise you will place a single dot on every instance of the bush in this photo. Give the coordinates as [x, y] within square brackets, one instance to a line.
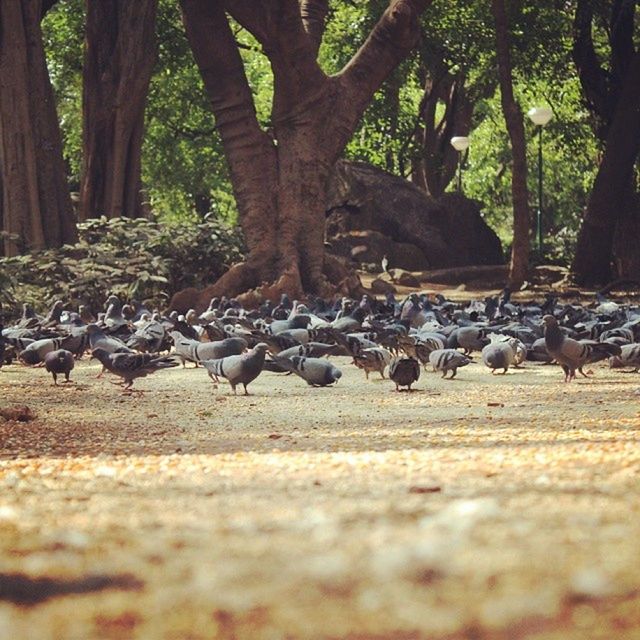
[133, 258]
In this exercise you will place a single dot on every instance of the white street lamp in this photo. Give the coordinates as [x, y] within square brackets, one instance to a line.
[540, 116]
[460, 144]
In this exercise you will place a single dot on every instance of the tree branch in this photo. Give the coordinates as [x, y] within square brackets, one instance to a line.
[314, 13]
[249, 150]
[593, 78]
[390, 41]
[622, 49]
[255, 17]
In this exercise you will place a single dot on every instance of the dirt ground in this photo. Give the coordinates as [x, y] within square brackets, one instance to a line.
[490, 507]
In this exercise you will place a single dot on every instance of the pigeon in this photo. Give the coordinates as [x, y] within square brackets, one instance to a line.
[34, 354]
[59, 362]
[572, 354]
[372, 359]
[98, 339]
[469, 338]
[196, 351]
[317, 372]
[149, 336]
[311, 350]
[238, 369]
[404, 372]
[498, 355]
[629, 357]
[446, 360]
[130, 366]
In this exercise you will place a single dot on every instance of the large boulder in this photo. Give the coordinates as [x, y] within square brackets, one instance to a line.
[371, 213]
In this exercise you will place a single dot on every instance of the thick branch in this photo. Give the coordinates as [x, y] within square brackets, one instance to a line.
[254, 16]
[593, 78]
[249, 150]
[622, 49]
[314, 14]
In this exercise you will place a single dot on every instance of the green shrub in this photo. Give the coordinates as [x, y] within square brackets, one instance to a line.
[133, 258]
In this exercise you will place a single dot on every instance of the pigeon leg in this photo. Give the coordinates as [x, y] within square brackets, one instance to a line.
[100, 374]
[246, 393]
[455, 371]
[55, 379]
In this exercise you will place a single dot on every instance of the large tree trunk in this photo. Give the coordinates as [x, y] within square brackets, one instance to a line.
[613, 194]
[36, 204]
[519, 265]
[120, 53]
[280, 180]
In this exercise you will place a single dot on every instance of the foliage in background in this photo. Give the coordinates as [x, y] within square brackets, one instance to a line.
[132, 258]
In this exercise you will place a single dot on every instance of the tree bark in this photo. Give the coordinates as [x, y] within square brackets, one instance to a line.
[120, 53]
[279, 180]
[519, 264]
[36, 205]
[613, 194]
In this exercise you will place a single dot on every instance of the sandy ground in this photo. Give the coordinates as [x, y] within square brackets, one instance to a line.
[490, 507]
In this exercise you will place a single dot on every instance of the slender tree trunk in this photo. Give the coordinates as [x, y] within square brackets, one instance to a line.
[120, 53]
[613, 190]
[36, 203]
[280, 181]
[519, 264]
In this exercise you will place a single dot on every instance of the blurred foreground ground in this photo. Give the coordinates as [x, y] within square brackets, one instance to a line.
[490, 507]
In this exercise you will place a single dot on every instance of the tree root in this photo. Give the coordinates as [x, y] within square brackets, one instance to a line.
[242, 282]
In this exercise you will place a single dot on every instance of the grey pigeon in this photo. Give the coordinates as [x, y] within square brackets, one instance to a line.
[197, 352]
[446, 360]
[34, 354]
[98, 339]
[130, 366]
[238, 369]
[317, 372]
[311, 350]
[59, 362]
[149, 337]
[404, 372]
[469, 338]
[538, 352]
[629, 357]
[498, 355]
[572, 354]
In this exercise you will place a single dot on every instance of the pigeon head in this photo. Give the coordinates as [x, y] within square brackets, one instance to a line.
[261, 347]
[549, 321]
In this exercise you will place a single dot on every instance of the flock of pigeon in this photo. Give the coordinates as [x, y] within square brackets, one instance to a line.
[233, 343]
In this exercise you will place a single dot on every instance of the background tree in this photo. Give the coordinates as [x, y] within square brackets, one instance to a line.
[120, 52]
[612, 94]
[519, 265]
[36, 207]
[279, 178]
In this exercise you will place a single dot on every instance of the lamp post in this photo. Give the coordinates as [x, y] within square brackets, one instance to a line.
[460, 144]
[539, 116]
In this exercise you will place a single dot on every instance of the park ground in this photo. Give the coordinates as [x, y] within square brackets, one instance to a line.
[489, 507]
